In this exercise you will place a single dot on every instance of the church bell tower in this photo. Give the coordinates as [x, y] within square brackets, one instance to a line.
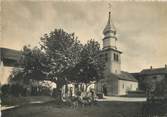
[111, 53]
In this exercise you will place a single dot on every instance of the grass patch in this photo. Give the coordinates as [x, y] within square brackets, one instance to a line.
[12, 101]
[51, 109]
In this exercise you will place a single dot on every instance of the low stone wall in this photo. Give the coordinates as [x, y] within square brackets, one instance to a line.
[136, 94]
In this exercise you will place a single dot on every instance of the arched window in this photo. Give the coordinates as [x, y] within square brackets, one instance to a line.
[116, 58]
[106, 57]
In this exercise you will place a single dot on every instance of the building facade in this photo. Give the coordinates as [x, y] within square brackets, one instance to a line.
[8, 60]
[116, 82]
[149, 75]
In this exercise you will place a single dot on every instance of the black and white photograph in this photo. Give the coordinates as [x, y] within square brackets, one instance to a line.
[83, 58]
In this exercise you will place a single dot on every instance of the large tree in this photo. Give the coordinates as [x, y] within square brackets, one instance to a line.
[63, 51]
[62, 58]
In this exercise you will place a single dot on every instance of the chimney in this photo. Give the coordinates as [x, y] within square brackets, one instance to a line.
[166, 66]
[151, 67]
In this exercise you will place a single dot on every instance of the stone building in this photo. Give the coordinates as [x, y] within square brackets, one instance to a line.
[150, 74]
[8, 60]
[116, 82]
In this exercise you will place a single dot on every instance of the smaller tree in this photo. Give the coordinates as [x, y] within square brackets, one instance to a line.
[94, 62]
[5, 89]
[17, 75]
[91, 66]
[150, 86]
[161, 88]
[33, 63]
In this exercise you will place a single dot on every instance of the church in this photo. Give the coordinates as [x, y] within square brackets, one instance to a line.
[115, 82]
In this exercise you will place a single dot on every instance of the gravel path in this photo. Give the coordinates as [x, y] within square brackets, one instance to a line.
[123, 99]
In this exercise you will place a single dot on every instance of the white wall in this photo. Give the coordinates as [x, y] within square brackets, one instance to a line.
[111, 65]
[124, 86]
[4, 73]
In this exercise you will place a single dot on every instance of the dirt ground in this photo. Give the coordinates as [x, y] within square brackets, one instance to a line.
[51, 109]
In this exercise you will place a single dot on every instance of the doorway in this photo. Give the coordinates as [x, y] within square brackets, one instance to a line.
[104, 90]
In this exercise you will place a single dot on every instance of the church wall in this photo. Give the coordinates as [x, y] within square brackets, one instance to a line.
[111, 86]
[109, 42]
[108, 61]
[124, 86]
[98, 87]
[115, 66]
[112, 66]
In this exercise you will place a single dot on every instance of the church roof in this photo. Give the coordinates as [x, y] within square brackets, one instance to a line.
[123, 76]
[110, 26]
[113, 50]
[9, 56]
[6, 53]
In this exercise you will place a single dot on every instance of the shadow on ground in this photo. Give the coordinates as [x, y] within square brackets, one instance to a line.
[52, 109]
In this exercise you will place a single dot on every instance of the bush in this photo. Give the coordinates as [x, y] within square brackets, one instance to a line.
[12, 100]
[5, 89]
[14, 90]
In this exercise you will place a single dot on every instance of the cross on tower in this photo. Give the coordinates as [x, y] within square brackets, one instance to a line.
[109, 7]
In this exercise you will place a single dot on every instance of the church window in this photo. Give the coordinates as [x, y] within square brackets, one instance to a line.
[106, 57]
[154, 77]
[130, 86]
[116, 57]
[101, 55]
[123, 86]
[165, 75]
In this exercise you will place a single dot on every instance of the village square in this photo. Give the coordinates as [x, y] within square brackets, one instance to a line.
[64, 75]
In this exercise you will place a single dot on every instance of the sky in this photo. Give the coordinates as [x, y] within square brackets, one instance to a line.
[141, 26]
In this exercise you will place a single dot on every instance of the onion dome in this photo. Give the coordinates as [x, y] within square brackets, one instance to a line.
[110, 28]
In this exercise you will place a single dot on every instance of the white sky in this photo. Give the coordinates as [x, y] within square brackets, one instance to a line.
[141, 26]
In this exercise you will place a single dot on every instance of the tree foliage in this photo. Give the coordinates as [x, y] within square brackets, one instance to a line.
[157, 88]
[33, 61]
[161, 88]
[61, 58]
[93, 55]
[91, 65]
[63, 51]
